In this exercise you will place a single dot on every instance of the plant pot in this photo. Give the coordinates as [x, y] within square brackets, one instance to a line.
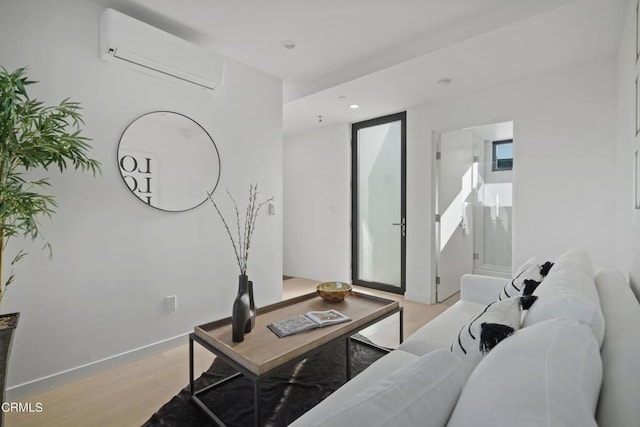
[8, 323]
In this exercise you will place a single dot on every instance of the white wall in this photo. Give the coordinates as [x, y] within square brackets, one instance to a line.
[564, 164]
[564, 125]
[115, 259]
[627, 219]
[317, 204]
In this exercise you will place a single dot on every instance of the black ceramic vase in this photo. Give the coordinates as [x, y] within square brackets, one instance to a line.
[252, 310]
[243, 314]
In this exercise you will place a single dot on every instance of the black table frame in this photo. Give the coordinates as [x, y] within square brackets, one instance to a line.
[256, 379]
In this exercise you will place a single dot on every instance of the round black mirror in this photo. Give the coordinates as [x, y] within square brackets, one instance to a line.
[168, 161]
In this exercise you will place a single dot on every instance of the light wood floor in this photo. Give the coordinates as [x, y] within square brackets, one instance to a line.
[129, 395]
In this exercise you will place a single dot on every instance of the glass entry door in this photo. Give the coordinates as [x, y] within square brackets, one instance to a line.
[378, 202]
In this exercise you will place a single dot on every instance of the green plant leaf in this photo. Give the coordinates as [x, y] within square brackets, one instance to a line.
[33, 135]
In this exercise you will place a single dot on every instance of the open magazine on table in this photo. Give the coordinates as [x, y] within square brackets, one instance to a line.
[305, 322]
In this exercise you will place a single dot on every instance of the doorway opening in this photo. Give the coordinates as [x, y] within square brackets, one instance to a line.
[474, 204]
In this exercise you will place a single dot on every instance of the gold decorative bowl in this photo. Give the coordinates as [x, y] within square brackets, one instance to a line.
[334, 291]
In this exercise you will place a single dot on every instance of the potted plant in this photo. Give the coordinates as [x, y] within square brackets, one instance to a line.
[32, 136]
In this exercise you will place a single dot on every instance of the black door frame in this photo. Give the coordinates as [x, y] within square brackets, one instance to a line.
[355, 127]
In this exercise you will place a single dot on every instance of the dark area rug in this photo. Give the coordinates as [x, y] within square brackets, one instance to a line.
[285, 395]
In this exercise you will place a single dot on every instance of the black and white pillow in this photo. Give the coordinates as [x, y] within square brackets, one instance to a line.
[484, 331]
[544, 269]
[519, 286]
[526, 279]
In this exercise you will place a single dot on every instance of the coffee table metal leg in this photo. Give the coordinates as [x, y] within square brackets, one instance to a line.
[191, 387]
[256, 402]
[401, 325]
[348, 342]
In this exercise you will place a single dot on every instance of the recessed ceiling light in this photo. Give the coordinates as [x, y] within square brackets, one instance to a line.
[342, 97]
[288, 44]
[354, 106]
[444, 82]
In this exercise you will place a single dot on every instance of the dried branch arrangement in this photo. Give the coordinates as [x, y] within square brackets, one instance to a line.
[242, 242]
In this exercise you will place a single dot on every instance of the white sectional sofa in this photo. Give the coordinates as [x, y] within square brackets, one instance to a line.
[571, 360]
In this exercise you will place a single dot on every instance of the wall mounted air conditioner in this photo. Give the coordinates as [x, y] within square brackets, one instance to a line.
[148, 49]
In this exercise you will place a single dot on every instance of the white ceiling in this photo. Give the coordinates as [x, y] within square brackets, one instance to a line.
[387, 55]
[493, 132]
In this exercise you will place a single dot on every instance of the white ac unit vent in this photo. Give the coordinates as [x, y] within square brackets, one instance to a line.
[148, 49]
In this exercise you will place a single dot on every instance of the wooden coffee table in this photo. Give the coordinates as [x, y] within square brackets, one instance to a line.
[262, 352]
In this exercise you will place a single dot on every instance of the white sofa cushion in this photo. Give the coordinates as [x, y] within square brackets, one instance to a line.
[441, 331]
[574, 269]
[574, 259]
[339, 399]
[566, 302]
[546, 375]
[618, 403]
[569, 291]
[481, 289]
[422, 393]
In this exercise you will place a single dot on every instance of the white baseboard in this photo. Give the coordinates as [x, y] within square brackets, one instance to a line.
[25, 390]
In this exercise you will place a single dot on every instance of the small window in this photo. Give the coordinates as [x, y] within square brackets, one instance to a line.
[502, 155]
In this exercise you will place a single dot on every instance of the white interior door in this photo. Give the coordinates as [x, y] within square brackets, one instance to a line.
[455, 172]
